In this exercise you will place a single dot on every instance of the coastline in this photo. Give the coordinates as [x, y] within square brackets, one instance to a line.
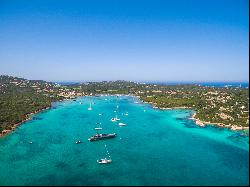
[204, 123]
[27, 118]
[199, 122]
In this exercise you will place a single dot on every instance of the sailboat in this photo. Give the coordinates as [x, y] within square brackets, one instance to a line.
[99, 127]
[121, 124]
[90, 108]
[105, 160]
[116, 118]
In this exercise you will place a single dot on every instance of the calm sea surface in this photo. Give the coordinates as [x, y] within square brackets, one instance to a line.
[154, 148]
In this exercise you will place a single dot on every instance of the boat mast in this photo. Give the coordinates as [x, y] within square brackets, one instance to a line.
[107, 152]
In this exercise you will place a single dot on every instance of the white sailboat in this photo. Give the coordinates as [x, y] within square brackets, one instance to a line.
[99, 127]
[90, 108]
[105, 160]
[121, 124]
[117, 119]
[116, 111]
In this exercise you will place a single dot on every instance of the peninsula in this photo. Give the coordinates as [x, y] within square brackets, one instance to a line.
[221, 106]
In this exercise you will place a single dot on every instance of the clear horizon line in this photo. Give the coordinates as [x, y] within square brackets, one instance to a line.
[163, 81]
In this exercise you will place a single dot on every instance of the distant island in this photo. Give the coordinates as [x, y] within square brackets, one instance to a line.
[221, 106]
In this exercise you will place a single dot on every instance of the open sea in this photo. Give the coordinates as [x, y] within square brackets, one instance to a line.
[154, 148]
[210, 84]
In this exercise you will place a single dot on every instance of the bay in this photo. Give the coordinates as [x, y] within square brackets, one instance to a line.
[155, 147]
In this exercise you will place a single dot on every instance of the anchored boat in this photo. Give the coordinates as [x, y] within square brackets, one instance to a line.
[121, 124]
[105, 160]
[102, 136]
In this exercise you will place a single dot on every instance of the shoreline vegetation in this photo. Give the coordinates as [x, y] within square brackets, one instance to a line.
[27, 118]
[22, 98]
[197, 121]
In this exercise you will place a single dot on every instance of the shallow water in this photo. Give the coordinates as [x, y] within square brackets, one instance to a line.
[154, 148]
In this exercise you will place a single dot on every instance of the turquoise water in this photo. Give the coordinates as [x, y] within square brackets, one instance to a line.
[154, 148]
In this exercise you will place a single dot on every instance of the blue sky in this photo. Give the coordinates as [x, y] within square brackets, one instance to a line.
[168, 40]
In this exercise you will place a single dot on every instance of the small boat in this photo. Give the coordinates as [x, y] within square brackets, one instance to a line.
[126, 114]
[104, 161]
[121, 124]
[113, 119]
[30, 142]
[98, 128]
[80, 103]
[100, 114]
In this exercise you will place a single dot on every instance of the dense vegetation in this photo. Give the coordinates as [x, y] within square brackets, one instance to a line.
[19, 97]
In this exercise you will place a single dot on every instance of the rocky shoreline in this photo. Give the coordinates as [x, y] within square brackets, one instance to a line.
[197, 120]
[203, 123]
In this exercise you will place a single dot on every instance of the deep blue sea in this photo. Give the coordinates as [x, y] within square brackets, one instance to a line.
[211, 84]
[155, 147]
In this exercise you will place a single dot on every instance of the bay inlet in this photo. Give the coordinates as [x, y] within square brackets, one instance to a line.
[155, 147]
